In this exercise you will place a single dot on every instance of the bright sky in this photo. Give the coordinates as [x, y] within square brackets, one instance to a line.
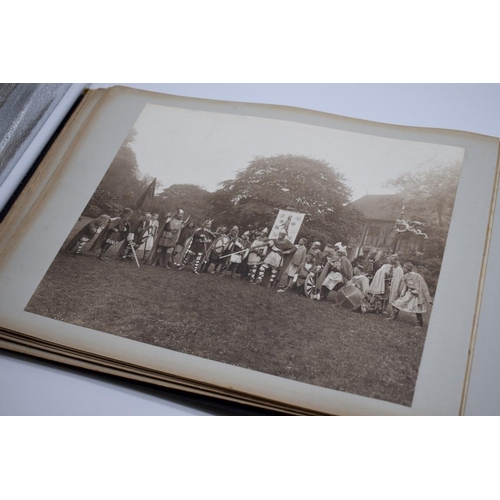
[180, 146]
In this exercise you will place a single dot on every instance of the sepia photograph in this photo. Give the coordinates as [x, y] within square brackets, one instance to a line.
[296, 250]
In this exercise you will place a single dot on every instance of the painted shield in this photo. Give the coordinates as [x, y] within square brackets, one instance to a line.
[350, 297]
[220, 245]
[310, 288]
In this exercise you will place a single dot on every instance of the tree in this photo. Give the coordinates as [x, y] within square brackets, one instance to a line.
[122, 184]
[429, 193]
[288, 182]
[193, 199]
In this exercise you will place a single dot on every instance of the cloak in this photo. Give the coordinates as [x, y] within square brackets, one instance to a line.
[377, 286]
[418, 283]
[89, 230]
[397, 278]
[113, 224]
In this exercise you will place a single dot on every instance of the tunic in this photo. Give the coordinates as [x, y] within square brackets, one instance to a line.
[256, 255]
[299, 257]
[414, 294]
[275, 258]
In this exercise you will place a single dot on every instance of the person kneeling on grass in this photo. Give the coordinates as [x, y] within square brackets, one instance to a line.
[339, 273]
[299, 279]
[414, 295]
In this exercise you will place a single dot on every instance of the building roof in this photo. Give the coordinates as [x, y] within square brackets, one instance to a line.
[379, 206]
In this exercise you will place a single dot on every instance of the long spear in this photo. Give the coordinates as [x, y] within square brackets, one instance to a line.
[229, 255]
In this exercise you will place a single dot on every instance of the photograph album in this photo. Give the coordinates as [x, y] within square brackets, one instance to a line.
[287, 259]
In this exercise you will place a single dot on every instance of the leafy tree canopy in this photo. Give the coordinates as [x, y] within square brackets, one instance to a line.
[288, 182]
[429, 193]
[193, 199]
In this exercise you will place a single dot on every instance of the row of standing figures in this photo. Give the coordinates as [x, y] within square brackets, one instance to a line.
[312, 272]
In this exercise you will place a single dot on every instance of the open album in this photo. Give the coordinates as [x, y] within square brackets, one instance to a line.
[277, 257]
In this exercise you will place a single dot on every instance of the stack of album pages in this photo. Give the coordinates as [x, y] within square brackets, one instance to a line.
[276, 257]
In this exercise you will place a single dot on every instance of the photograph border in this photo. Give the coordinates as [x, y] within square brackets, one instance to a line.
[74, 170]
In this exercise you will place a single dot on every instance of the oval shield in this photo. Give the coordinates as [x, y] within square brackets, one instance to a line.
[221, 244]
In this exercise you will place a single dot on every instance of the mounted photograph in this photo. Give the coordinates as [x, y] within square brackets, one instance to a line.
[305, 252]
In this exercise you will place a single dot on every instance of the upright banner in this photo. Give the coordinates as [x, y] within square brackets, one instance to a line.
[288, 221]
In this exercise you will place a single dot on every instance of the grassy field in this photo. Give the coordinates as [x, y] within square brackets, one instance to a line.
[231, 321]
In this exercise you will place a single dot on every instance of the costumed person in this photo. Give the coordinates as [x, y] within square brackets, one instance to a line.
[200, 244]
[280, 250]
[135, 237]
[243, 266]
[183, 243]
[304, 270]
[162, 252]
[379, 261]
[87, 233]
[414, 295]
[360, 280]
[397, 277]
[298, 258]
[339, 272]
[378, 292]
[149, 237]
[385, 286]
[240, 252]
[218, 249]
[316, 252]
[115, 232]
[258, 251]
[368, 265]
[233, 254]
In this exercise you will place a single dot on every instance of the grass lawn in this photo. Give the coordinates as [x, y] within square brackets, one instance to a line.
[231, 321]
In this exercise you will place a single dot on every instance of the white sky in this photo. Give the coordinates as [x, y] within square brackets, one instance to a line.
[180, 146]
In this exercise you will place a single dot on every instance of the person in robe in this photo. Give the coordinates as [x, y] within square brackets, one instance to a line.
[87, 233]
[396, 279]
[414, 295]
[279, 250]
[149, 237]
[385, 286]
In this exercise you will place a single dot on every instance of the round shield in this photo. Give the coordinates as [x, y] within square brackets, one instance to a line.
[350, 297]
[310, 288]
[220, 245]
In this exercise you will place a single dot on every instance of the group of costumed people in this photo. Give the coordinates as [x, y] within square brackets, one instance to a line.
[371, 285]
